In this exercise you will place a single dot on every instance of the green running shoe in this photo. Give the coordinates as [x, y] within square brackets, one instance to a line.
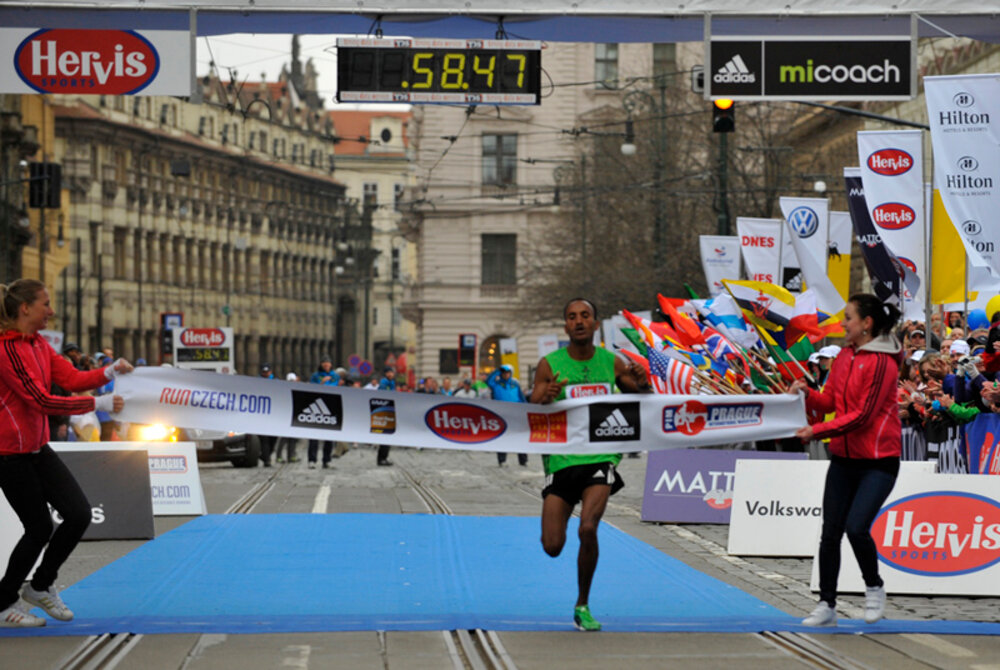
[583, 620]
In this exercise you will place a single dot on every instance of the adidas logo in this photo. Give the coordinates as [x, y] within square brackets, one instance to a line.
[318, 413]
[615, 425]
[735, 72]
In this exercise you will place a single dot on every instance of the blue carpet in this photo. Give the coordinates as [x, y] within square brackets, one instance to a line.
[312, 572]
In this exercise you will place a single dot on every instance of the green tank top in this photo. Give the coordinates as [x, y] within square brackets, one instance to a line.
[584, 378]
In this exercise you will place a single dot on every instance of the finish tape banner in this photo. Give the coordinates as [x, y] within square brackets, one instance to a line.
[591, 425]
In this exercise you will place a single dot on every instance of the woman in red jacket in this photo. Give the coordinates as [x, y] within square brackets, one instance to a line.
[32, 476]
[864, 448]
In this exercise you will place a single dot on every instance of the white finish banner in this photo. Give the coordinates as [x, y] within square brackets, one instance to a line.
[720, 258]
[807, 225]
[965, 134]
[96, 62]
[174, 479]
[892, 174]
[592, 425]
[778, 505]
[936, 534]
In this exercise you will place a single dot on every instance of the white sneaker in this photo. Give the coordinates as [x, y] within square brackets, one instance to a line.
[823, 615]
[874, 603]
[18, 616]
[49, 601]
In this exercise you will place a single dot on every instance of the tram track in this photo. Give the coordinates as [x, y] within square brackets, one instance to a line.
[474, 649]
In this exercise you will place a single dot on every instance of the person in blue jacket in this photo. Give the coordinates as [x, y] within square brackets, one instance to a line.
[504, 387]
[327, 376]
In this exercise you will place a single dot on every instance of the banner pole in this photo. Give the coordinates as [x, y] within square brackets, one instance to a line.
[928, 251]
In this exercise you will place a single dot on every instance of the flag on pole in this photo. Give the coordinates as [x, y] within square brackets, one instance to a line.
[669, 375]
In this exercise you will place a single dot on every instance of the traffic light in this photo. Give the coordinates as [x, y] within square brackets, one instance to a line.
[723, 116]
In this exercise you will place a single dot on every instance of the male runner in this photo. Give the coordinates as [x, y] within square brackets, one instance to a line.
[591, 478]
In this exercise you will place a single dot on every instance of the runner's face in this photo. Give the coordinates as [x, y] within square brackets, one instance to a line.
[580, 322]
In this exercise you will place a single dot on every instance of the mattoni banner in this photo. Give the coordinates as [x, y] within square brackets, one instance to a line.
[892, 174]
[591, 425]
[96, 62]
[695, 485]
[720, 258]
[965, 136]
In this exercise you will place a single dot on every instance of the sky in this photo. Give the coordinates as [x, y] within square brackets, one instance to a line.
[250, 55]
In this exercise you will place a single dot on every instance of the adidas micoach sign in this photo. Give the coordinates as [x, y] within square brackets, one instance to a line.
[613, 422]
[812, 68]
[317, 410]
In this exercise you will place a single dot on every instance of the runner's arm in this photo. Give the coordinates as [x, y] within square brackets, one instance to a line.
[630, 377]
[547, 386]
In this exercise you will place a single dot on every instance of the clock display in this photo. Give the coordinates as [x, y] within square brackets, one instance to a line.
[423, 71]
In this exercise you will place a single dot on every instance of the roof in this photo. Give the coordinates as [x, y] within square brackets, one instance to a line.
[350, 126]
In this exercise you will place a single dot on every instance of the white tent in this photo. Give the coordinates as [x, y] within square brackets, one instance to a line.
[554, 20]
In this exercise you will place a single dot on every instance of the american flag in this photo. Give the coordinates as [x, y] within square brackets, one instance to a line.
[668, 374]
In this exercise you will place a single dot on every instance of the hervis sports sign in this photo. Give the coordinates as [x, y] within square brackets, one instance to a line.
[101, 62]
[936, 534]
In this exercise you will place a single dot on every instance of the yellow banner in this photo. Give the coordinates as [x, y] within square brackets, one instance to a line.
[947, 258]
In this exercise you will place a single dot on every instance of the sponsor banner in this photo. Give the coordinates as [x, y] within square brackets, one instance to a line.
[720, 258]
[807, 225]
[760, 240]
[695, 485]
[811, 68]
[549, 343]
[174, 478]
[95, 62]
[936, 534]
[838, 261]
[593, 423]
[891, 280]
[965, 131]
[982, 444]
[893, 178]
[508, 354]
[778, 506]
[209, 349]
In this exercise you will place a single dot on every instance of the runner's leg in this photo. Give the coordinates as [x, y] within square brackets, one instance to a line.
[555, 516]
[595, 501]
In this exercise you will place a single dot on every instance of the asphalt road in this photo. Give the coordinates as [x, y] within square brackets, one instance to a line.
[472, 483]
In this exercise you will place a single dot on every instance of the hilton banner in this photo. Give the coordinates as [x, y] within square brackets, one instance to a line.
[965, 136]
[597, 424]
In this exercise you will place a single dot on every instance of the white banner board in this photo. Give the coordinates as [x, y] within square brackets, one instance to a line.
[596, 424]
[936, 534]
[174, 478]
[720, 259]
[778, 505]
[95, 62]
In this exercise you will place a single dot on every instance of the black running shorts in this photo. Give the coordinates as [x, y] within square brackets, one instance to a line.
[570, 483]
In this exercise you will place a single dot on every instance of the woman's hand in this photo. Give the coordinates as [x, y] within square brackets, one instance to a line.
[798, 386]
[805, 433]
[118, 403]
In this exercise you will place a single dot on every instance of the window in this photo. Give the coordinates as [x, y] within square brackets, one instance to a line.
[500, 160]
[606, 65]
[95, 246]
[192, 262]
[120, 253]
[397, 195]
[499, 259]
[370, 195]
[664, 64]
[137, 252]
[178, 261]
[395, 264]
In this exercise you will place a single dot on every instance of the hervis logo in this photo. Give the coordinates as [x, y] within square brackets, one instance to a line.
[893, 215]
[910, 265]
[939, 534]
[107, 62]
[890, 162]
[465, 424]
[203, 337]
[804, 221]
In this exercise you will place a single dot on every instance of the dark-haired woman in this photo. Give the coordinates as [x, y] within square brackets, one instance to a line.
[864, 448]
[32, 476]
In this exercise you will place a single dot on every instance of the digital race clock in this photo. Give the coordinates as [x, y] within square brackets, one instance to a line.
[427, 71]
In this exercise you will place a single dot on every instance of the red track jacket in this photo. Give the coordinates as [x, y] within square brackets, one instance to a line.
[861, 389]
[28, 366]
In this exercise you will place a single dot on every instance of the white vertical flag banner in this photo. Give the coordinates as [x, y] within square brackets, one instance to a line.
[965, 133]
[759, 240]
[892, 175]
[807, 224]
[838, 258]
[720, 258]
